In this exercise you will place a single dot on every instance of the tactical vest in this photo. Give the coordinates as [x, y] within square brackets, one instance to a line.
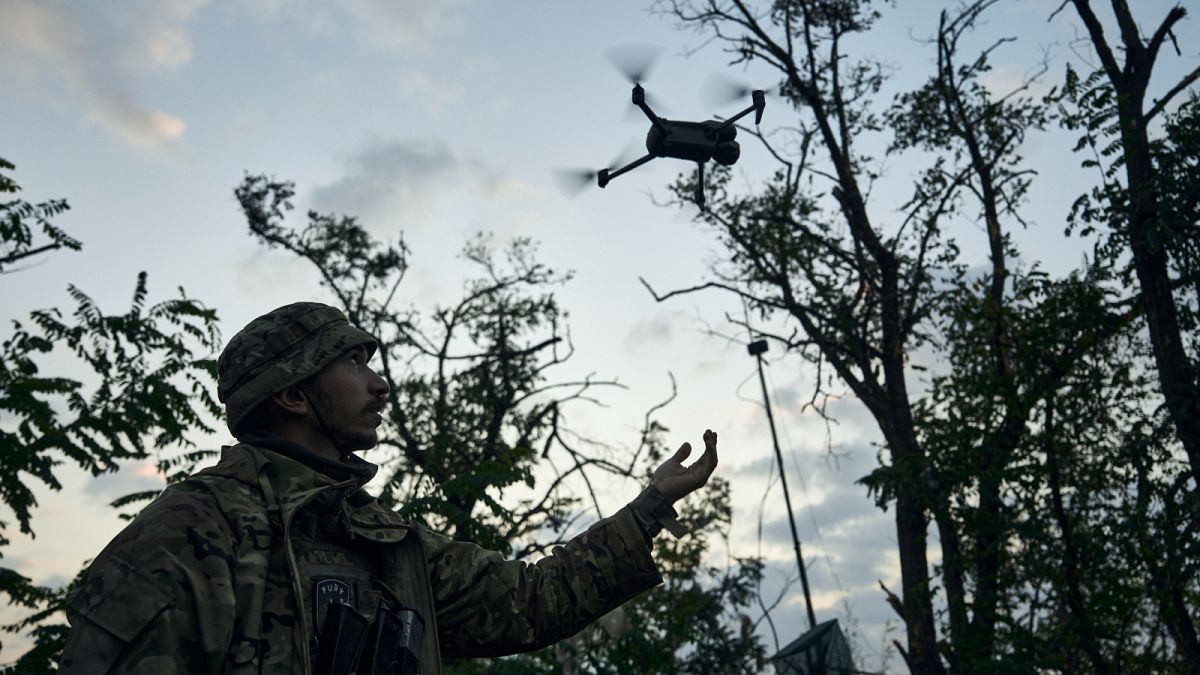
[332, 566]
[327, 543]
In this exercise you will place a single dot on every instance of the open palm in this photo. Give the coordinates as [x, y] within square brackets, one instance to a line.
[675, 481]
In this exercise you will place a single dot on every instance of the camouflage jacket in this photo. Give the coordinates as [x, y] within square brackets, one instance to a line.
[205, 579]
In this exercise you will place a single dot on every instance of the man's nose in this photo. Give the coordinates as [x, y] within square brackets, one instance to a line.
[379, 385]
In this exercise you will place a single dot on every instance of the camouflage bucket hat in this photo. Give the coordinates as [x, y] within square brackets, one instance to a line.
[280, 348]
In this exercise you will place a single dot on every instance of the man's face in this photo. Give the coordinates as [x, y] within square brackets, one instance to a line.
[350, 398]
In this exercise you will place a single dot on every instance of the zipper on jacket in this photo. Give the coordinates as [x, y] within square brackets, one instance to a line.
[293, 568]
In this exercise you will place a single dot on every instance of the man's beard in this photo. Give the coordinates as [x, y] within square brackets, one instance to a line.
[340, 428]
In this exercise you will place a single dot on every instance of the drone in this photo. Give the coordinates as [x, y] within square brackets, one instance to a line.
[696, 142]
[692, 141]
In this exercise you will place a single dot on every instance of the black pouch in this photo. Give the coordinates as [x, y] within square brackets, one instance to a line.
[393, 644]
[341, 642]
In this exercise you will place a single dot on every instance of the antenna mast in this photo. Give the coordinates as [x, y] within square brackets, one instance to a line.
[756, 349]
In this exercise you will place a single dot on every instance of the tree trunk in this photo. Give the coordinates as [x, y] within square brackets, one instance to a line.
[909, 459]
[1151, 264]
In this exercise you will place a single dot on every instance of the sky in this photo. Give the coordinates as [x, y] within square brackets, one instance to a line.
[440, 120]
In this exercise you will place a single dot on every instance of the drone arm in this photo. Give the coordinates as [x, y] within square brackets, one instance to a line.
[729, 122]
[700, 185]
[760, 102]
[604, 175]
[639, 99]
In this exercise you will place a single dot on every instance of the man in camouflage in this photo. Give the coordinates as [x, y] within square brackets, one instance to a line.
[234, 569]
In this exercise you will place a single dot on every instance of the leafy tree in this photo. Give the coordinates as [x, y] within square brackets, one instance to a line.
[152, 367]
[1114, 114]
[16, 218]
[1021, 446]
[863, 292]
[1145, 212]
[475, 415]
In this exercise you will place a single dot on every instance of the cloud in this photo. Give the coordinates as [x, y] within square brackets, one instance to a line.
[865, 618]
[137, 125]
[273, 277]
[131, 477]
[55, 581]
[398, 24]
[840, 519]
[430, 91]
[264, 9]
[1004, 80]
[99, 51]
[399, 181]
[394, 25]
[656, 330]
[758, 468]
[855, 537]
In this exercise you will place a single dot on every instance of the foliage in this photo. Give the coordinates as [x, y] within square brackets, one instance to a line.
[17, 218]
[148, 371]
[1143, 211]
[1050, 442]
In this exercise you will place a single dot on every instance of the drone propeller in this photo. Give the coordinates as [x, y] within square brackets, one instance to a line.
[635, 61]
[571, 182]
[720, 90]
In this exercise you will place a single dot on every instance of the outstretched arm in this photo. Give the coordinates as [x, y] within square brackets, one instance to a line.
[489, 606]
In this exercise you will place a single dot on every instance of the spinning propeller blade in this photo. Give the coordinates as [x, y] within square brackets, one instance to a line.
[571, 182]
[635, 61]
[720, 90]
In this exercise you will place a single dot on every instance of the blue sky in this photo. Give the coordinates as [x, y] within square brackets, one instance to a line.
[439, 120]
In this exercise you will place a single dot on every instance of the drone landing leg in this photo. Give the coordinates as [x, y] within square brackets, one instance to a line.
[700, 185]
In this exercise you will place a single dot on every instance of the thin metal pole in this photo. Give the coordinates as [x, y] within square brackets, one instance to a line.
[787, 498]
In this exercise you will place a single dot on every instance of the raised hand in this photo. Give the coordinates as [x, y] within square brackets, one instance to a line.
[675, 481]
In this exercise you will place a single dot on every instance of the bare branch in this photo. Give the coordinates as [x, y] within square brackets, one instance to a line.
[1185, 82]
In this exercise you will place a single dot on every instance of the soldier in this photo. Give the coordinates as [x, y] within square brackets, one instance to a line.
[274, 559]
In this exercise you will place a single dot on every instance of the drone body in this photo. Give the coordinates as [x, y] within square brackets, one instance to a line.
[692, 141]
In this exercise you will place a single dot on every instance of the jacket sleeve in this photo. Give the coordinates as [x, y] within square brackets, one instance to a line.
[489, 606]
[159, 598]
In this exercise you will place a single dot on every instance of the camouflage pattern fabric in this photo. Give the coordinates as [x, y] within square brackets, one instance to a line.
[280, 348]
[207, 580]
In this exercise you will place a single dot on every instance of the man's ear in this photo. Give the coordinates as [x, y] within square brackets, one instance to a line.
[292, 401]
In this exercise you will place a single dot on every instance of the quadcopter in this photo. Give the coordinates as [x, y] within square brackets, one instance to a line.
[692, 141]
[696, 142]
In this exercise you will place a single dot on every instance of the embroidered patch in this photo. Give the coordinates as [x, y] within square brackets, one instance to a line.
[326, 592]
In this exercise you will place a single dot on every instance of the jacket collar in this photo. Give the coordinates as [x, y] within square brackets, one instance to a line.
[289, 467]
[292, 482]
[350, 467]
